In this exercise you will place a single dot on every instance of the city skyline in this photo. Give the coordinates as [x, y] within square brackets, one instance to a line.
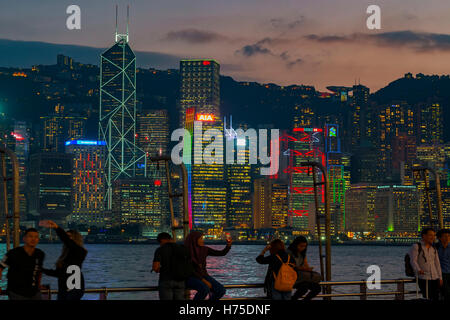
[307, 42]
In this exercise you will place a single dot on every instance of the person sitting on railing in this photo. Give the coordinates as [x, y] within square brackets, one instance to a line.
[277, 258]
[68, 265]
[24, 268]
[202, 282]
[307, 280]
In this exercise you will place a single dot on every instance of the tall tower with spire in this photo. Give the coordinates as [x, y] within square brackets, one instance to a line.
[117, 122]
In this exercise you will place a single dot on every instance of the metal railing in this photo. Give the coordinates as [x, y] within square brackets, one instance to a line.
[399, 293]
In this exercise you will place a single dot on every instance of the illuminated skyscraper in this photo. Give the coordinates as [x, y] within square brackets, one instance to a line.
[153, 132]
[208, 184]
[50, 184]
[397, 210]
[153, 139]
[239, 203]
[360, 208]
[200, 87]
[279, 205]
[88, 184]
[200, 93]
[394, 120]
[431, 126]
[338, 170]
[262, 211]
[60, 127]
[117, 124]
[306, 144]
[136, 202]
[21, 147]
[359, 106]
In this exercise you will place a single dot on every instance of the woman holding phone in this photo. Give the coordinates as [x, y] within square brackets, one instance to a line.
[72, 256]
[201, 281]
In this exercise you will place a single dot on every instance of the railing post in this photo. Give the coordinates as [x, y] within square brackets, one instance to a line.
[104, 294]
[401, 290]
[363, 290]
[47, 293]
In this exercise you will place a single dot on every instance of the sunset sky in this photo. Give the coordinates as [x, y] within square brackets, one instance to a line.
[314, 42]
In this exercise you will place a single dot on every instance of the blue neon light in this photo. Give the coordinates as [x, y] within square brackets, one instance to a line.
[86, 142]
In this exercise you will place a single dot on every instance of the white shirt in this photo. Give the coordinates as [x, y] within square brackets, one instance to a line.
[427, 261]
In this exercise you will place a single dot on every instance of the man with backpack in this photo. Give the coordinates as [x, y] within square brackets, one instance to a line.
[425, 264]
[173, 263]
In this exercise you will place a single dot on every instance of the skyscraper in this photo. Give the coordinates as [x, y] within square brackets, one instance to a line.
[136, 202]
[88, 183]
[117, 123]
[359, 106]
[239, 202]
[200, 94]
[51, 185]
[200, 87]
[306, 145]
[153, 132]
[431, 123]
[153, 139]
[60, 127]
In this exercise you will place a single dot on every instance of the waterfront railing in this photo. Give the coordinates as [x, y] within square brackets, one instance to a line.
[399, 293]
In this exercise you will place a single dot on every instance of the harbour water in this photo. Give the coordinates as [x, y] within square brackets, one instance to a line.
[128, 265]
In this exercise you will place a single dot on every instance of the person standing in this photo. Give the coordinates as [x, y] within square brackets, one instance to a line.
[278, 256]
[173, 263]
[201, 281]
[24, 268]
[426, 266]
[69, 263]
[443, 250]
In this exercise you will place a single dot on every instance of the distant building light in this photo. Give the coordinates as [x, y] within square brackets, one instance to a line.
[206, 63]
[205, 117]
[86, 142]
[240, 141]
[18, 136]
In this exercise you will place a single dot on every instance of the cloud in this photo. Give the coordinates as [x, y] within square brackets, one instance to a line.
[195, 36]
[260, 48]
[285, 24]
[418, 41]
[257, 48]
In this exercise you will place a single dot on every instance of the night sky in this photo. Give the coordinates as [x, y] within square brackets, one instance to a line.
[315, 42]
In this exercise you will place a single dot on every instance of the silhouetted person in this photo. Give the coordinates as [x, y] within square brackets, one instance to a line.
[278, 256]
[73, 254]
[24, 268]
[173, 263]
[425, 263]
[308, 280]
[443, 250]
[201, 281]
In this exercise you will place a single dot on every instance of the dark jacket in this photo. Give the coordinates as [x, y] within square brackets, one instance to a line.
[200, 268]
[75, 256]
[274, 266]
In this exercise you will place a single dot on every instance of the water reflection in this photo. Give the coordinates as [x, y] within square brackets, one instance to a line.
[126, 265]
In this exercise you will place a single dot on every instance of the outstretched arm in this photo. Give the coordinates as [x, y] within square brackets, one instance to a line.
[214, 252]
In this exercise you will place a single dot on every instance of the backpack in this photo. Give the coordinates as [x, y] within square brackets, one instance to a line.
[286, 277]
[409, 271]
[181, 266]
